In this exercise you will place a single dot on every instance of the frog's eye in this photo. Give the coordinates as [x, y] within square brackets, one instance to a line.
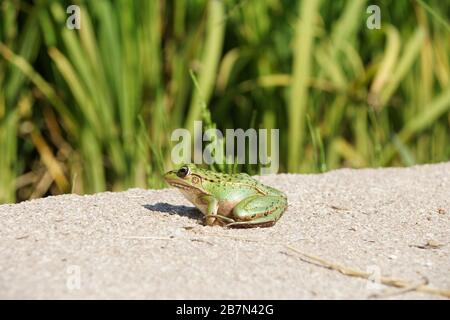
[183, 172]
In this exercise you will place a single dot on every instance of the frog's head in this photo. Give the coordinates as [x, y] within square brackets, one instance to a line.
[187, 178]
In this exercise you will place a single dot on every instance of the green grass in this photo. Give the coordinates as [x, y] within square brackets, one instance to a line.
[93, 109]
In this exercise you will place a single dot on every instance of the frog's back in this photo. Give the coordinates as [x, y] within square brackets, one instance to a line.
[241, 185]
[268, 190]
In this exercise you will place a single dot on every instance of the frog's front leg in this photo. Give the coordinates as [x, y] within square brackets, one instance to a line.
[258, 211]
[210, 206]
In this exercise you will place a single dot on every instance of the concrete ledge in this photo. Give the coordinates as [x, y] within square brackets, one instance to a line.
[151, 244]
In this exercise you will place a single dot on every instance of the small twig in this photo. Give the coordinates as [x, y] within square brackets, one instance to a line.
[395, 292]
[201, 240]
[239, 238]
[339, 208]
[197, 239]
[392, 282]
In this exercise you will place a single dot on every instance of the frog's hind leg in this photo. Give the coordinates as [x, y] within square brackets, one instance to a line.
[258, 211]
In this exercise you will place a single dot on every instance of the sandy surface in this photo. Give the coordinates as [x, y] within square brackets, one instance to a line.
[151, 244]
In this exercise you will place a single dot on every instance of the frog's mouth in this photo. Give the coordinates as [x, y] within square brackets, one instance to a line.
[182, 186]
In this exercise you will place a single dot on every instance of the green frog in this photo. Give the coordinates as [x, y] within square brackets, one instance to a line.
[231, 200]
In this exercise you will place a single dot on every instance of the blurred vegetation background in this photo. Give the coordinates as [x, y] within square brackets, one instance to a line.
[92, 109]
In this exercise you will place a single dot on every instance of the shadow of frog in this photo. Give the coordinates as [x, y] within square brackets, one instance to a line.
[190, 212]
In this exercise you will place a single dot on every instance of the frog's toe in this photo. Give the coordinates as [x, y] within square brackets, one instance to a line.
[217, 220]
[257, 223]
